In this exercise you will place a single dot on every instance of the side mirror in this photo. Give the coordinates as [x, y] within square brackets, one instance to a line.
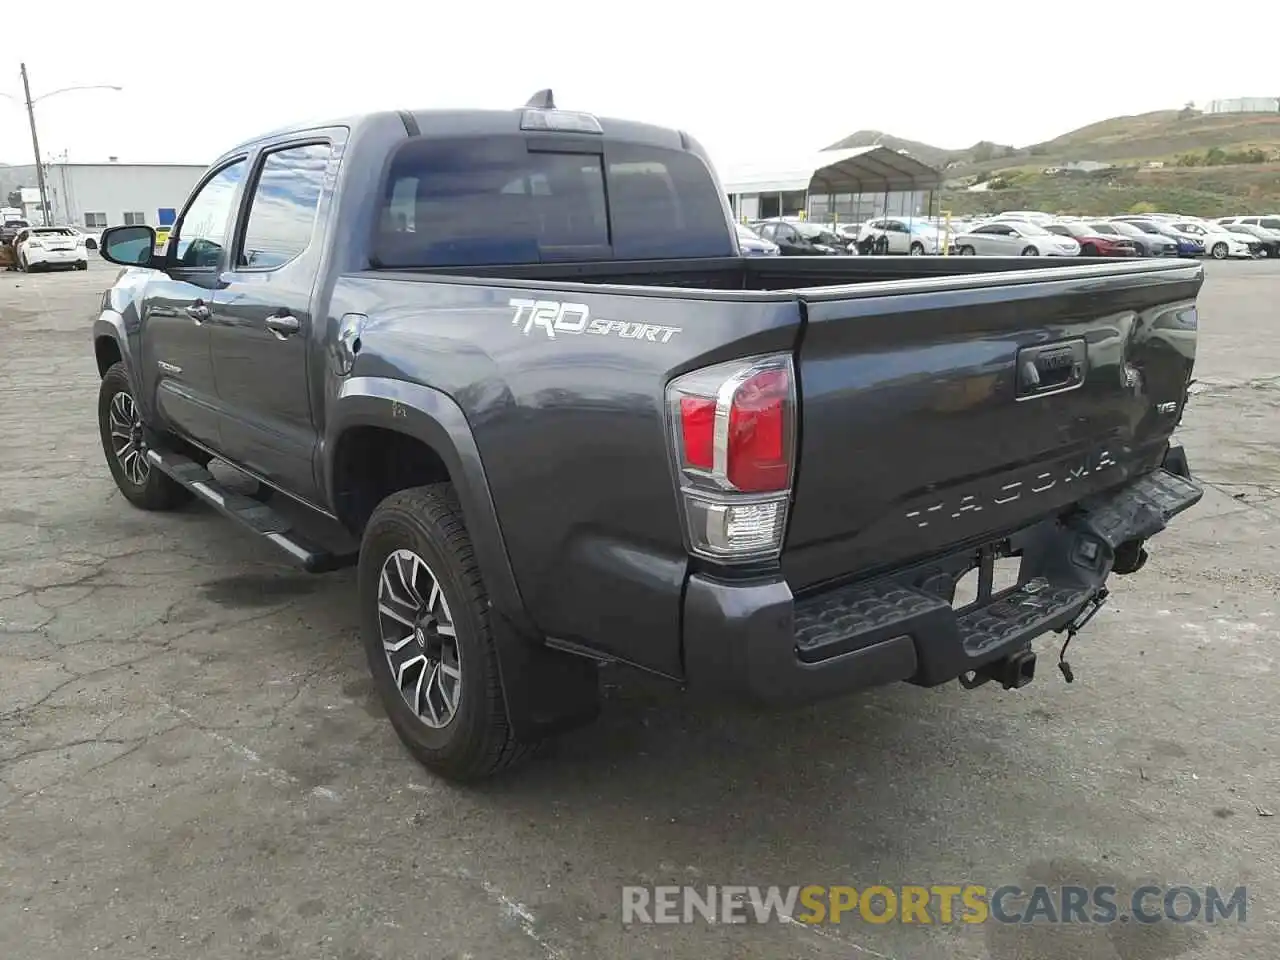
[128, 246]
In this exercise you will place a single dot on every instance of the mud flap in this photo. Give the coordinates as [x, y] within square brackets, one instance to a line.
[546, 691]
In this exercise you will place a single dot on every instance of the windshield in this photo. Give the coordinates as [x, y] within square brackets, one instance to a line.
[1271, 223]
[1128, 229]
[746, 233]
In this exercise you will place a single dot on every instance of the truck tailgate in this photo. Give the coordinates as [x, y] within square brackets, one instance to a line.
[942, 412]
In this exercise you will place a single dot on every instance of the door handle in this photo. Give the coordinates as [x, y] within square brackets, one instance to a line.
[283, 326]
[198, 312]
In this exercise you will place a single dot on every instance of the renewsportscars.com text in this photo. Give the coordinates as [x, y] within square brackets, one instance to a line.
[933, 904]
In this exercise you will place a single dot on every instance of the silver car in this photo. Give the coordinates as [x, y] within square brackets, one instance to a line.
[1012, 238]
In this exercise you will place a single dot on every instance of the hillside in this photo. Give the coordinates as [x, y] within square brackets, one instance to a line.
[1160, 135]
[1214, 165]
[1198, 191]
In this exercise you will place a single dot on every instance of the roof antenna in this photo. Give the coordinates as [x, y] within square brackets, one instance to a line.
[542, 100]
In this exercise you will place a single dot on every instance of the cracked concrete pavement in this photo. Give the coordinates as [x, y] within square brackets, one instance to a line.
[192, 762]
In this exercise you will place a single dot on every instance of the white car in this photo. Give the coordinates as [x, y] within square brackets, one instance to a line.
[905, 235]
[1219, 242]
[1013, 238]
[46, 248]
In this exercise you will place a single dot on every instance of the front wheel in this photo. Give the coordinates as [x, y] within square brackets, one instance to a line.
[917, 249]
[1088, 250]
[425, 623]
[1030, 252]
[124, 441]
[1219, 251]
[967, 251]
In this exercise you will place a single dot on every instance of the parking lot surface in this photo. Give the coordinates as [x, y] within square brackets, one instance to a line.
[193, 763]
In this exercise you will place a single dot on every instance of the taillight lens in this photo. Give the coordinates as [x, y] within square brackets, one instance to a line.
[733, 429]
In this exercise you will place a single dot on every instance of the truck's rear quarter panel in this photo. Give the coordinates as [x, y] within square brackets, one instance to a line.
[572, 432]
[913, 438]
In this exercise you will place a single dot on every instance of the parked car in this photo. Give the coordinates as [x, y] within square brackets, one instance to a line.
[903, 235]
[1014, 238]
[1221, 242]
[549, 452]
[49, 248]
[801, 239]
[1148, 243]
[1092, 242]
[1187, 245]
[1267, 222]
[1262, 242]
[752, 244]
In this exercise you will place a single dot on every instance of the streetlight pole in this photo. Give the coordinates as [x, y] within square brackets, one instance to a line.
[35, 145]
[35, 140]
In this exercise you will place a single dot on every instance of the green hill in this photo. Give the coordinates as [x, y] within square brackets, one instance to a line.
[1183, 160]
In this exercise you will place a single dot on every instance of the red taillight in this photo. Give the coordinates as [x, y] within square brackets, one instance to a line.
[697, 430]
[733, 431]
[756, 457]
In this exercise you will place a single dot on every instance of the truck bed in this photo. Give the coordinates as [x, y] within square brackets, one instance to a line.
[781, 274]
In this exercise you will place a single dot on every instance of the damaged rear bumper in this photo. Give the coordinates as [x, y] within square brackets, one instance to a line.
[759, 642]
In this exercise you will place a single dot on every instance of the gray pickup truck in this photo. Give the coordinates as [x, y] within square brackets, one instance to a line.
[513, 365]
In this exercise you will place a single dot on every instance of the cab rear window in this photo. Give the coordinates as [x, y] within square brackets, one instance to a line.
[475, 201]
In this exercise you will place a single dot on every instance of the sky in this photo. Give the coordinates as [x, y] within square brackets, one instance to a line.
[748, 82]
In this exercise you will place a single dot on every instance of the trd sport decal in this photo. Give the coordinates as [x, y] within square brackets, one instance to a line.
[554, 317]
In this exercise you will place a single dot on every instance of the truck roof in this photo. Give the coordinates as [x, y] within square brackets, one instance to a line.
[473, 123]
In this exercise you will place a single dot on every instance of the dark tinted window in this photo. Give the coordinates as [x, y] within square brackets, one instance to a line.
[204, 224]
[490, 200]
[282, 213]
[663, 203]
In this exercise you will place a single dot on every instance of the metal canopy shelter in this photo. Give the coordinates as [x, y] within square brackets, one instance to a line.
[872, 169]
[854, 171]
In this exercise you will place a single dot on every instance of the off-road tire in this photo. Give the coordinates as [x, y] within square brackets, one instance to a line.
[478, 742]
[158, 491]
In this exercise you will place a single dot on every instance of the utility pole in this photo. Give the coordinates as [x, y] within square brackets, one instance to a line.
[35, 146]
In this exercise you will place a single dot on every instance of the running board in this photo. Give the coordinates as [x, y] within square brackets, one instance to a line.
[246, 511]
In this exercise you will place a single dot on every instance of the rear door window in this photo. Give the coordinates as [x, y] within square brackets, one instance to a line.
[473, 201]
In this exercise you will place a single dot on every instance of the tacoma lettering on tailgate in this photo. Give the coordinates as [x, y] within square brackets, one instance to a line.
[1031, 486]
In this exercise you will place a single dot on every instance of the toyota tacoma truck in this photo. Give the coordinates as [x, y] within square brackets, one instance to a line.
[513, 366]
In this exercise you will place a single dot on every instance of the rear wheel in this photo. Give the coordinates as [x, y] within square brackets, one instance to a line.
[1030, 252]
[967, 251]
[124, 441]
[1219, 251]
[425, 623]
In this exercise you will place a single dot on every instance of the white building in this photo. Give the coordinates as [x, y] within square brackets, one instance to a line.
[846, 185]
[1244, 105]
[97, 195]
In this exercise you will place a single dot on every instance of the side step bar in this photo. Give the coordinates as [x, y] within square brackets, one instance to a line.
[258, 517]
